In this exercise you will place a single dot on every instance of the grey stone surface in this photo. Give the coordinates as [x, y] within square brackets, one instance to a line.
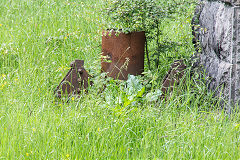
[217, 28]
[232, 2]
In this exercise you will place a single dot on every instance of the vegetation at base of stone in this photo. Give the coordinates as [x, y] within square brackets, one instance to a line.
[127, 120]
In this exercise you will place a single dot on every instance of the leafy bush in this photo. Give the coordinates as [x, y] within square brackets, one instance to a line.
[142, 15]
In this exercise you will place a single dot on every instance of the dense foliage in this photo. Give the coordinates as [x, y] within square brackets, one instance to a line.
[144, 15]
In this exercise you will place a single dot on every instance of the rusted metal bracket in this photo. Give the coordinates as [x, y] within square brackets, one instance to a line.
[174, 76]
[74, 82]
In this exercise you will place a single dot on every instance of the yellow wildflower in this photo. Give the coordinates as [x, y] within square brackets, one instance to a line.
[3, 75]
[0, 25]
[3, 85]
[237, 126]
[65, 38]
[67, 155]
[27, 154]
[98, 129]
[63, 68]
[73, 98]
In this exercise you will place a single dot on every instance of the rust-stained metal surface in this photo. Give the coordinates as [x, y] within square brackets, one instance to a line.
[173, 76]
[123, 54]
[75, 80]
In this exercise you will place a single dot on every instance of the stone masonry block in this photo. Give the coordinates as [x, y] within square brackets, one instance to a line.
[219, 37]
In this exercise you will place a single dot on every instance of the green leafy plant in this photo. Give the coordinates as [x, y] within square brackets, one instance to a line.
[141, 15]
[135, 15]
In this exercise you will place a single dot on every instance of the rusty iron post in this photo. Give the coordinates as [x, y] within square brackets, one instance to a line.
[75, 80]
[123, 54]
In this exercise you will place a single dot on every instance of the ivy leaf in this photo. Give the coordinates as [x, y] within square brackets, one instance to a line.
[153, 96]
[141, 92]
[126, 102]
[133, 85]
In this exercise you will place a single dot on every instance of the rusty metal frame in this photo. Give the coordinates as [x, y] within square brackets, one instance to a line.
[174, 76]
[74, 82]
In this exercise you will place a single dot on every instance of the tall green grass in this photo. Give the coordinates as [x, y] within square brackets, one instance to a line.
[39, 39]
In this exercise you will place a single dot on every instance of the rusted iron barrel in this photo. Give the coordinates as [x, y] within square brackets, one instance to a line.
[123, 54]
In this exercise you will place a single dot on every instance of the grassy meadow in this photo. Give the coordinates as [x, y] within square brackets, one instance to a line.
[38, 41]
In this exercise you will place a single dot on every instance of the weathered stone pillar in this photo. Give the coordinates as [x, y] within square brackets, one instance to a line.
[217, 29]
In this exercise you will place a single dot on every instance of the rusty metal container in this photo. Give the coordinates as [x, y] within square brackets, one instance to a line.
[123, 54]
